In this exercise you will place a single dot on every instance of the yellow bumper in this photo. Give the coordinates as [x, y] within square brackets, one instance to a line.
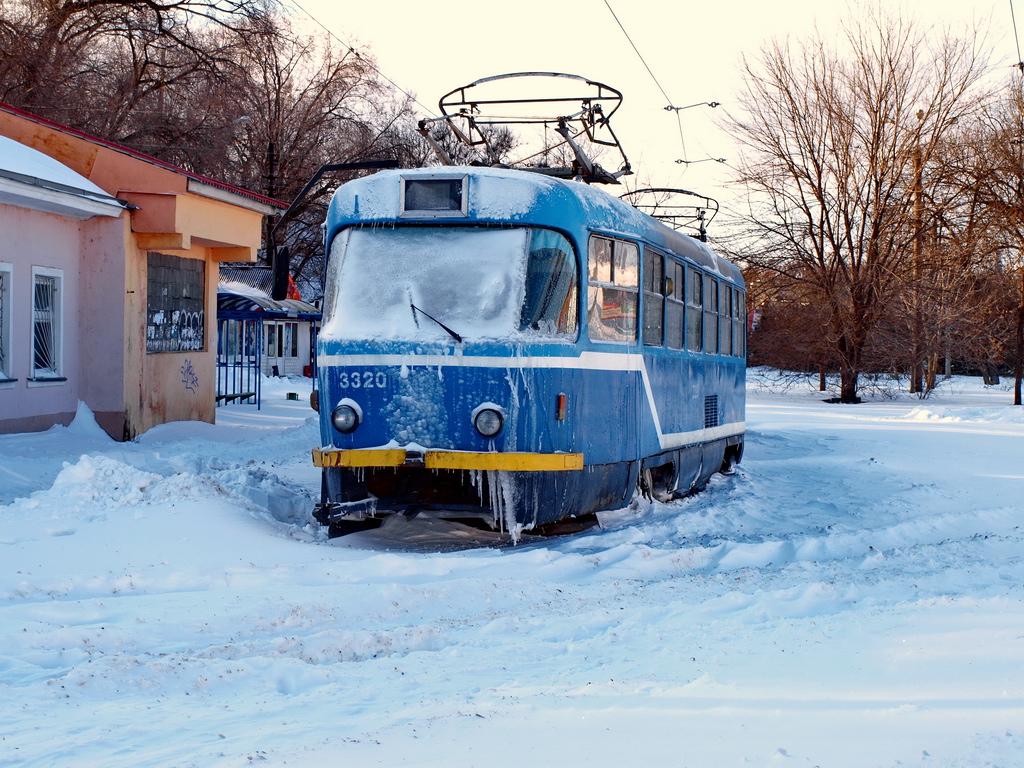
[396, 457]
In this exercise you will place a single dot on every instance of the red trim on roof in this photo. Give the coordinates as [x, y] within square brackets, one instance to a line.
[142, 156]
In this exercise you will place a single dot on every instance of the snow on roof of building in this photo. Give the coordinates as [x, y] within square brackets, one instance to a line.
[31, 179]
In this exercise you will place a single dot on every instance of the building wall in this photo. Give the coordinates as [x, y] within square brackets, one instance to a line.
[36, 239]
[168, 386]
[101, 284]
[129, 389]
[178, 386]
[287, 365]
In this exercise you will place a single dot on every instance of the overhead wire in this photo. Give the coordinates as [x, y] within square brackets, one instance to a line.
[671, 106]
[640, 55]
[1016, 38]
[679, 120]
[685, 162]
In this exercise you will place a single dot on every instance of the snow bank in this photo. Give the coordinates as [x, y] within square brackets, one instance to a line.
[850, 596]
[1008, 415]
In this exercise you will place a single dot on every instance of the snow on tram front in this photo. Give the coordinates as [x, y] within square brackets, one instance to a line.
[505, 347]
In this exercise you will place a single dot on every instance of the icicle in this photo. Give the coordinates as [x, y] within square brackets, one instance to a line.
[511, 502]
[476, 478]
[503, 498]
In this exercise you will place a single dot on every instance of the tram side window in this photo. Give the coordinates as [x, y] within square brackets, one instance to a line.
[725, 318]
[601, 259]
[551, 303]
[612, 295]
[654, 297]
[694, 311]
[710, 315]
[675, 309]
[739, 323]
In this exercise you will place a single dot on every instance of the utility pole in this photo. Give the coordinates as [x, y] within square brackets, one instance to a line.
[276, 257]
[1017, 164]
[917, 222]
[271, 189]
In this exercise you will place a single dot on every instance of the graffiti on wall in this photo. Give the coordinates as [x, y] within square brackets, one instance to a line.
[175, 331]
[188, 376]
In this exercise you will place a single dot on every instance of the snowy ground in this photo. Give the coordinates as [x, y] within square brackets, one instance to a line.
[852, 596]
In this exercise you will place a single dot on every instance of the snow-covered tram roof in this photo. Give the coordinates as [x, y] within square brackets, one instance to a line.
[503, 196]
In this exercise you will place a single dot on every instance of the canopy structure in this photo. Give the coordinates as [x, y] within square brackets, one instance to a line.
[231, 303]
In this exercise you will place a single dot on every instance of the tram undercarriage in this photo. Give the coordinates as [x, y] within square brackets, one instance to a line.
[355, 499]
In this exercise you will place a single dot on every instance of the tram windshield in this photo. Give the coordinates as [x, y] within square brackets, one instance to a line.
[444, 282]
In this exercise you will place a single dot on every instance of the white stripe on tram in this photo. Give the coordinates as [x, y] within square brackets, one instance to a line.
[586, 361]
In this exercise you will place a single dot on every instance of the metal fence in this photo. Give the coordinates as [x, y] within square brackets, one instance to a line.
[239, 349]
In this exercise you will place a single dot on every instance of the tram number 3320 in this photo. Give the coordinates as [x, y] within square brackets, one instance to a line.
[362, 380]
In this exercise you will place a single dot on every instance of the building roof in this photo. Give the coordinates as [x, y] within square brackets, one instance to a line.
[199, 179]
[248, 278]
[231, 303]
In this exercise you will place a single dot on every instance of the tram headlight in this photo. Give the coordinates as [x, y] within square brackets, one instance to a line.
[345, 418]
[488, 421]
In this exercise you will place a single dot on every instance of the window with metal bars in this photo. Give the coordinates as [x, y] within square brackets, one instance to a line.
[6, 272]
[46, 324]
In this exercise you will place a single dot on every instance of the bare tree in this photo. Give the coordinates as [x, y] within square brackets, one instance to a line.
[832, 145]
[998, 175]
[225, 88]
[295, 104]
[57, 52]
[789, 317]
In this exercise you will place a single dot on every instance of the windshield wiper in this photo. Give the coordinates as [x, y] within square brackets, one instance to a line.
[452, 333]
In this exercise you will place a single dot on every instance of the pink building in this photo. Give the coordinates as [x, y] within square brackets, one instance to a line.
[108, 279]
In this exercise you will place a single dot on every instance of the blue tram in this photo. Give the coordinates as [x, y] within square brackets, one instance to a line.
[505, 346]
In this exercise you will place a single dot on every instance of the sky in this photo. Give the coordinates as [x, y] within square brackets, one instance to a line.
[690, 53]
